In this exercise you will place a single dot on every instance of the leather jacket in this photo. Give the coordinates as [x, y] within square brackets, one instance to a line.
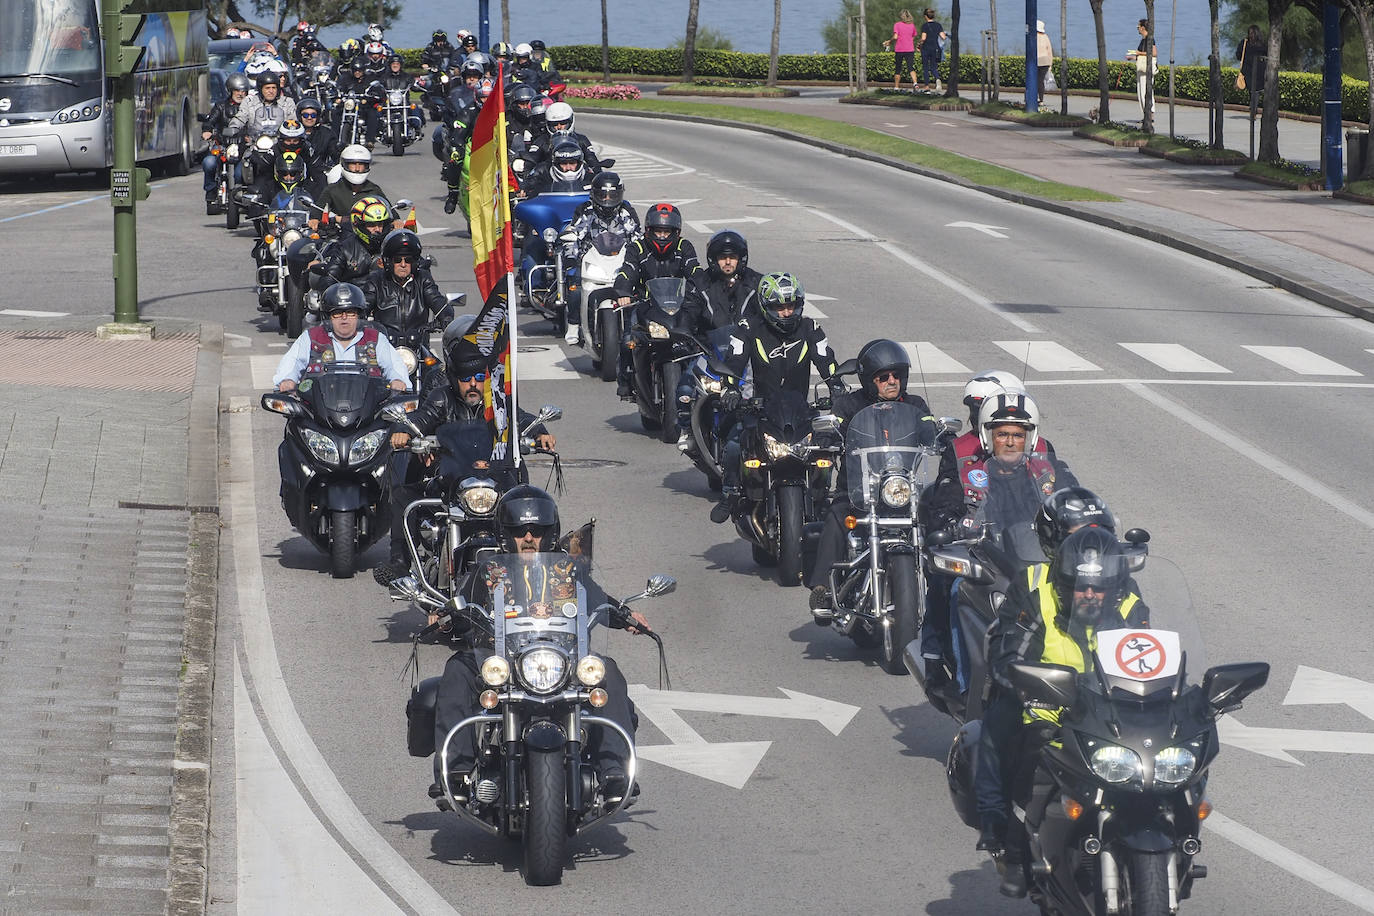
[344, 260]
[403, 310]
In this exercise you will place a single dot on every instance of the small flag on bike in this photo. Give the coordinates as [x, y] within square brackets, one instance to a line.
[489, 195]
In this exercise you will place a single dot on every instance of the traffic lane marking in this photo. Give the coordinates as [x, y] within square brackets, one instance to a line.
[1172, 357]
[1300, 360]
[1047, 356]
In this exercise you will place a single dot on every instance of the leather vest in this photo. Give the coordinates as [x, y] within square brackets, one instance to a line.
[322, 350]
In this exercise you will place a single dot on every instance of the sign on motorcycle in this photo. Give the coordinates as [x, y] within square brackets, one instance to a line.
[1143, 655]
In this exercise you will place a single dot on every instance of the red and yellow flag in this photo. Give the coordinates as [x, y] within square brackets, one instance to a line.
[488, 196]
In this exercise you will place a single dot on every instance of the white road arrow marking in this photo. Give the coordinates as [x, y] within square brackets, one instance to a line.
[729, 763]
[704, 225]
[1313, 686]
[32, 313]
[979, 227]
[1277, 742]
[890, 124]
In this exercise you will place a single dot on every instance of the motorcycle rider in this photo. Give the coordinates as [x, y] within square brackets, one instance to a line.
[455, 170]
[1061, 514]
[883, 370]
[342, 341]
[529, 523]
[1089, 587]
[351, 256]
[348, 52]
[354, 184]
[321, 141]
[564, 171]
[780, 345]
[353, 77]
[291, 144]
[304, 43]
[402, 294]
[264, 112]
[605, 211]
[438, 51]
[525, 70]
[374, 58]
[393, 77]
[215, 124]
[660, 252]
[539, 53]
[558, 121]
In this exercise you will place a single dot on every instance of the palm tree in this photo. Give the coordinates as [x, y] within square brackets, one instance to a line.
[1215, 91]
[505, 20]
[773, 51]
[1363, 11]
[952, 84]
[605, 46]
[1104, 94]
[689, 46]
[996, 52]
[1147, 117]
[1269, 120]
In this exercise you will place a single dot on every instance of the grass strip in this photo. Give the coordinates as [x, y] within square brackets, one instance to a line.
[1007, 112]
[1285, 174]
[929, 157]
[1194, 152]
[739, 90]
[921, 101]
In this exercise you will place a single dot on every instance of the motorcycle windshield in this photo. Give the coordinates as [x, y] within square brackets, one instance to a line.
[890, 454]
[668, 293]
[608, 244]
[341, 390]
[550, 209]
[541, 600]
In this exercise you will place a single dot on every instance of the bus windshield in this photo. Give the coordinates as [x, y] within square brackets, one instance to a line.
[50, 38]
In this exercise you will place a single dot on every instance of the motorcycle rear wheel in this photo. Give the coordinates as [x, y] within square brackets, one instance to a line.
[790, 536]
[668, 406]
[295, 309]
[343, 544]
[231, 212]
[545, 837]
[1149, 888]
[903, 589]
[610, 346]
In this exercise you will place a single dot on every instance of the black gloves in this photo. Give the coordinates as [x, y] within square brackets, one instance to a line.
[730, 399]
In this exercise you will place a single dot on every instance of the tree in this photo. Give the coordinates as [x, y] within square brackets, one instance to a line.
[505, 21]
[1104, 73]
[996, 52]
[1215, 90]
[1147, 116]
[881, 14]
[708, 39]
[1269, 120]
[689, 44]
[1363, 13]
[773, 49]
[952, 84]
[605, 46]
[222, 14]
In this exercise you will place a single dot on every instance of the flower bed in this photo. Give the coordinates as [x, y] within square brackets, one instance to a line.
[602, 92]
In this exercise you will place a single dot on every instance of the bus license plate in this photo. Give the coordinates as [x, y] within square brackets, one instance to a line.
[19, 149]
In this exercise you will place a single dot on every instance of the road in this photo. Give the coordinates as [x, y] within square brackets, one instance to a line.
[1205, 437]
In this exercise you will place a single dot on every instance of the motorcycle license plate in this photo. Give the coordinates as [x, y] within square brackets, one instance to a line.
[19, 149]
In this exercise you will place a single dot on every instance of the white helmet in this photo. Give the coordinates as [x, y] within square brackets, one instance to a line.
[523, 50]
[374, 32]
[355, 153]
[257, 66]
[1005, 408]
[985, 384]
[556, 114]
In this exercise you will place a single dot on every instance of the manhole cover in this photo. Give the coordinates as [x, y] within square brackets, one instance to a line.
[591, 463]
[1028, 308]
[532, 348]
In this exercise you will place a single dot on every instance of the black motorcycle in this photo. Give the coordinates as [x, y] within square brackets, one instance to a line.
[659, 344]
[786, 479]
[1121, 757]
[335, 487]
[412, 345]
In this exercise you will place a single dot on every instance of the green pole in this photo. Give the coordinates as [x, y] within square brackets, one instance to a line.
[125, 202]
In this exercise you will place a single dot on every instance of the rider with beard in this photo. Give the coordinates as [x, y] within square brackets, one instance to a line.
[662, 252]
[320, 139]
[779, 346]
[529, 523]
[883, 370]
[605, 211]
[352, 256]
[1089, 588]
[462, 398]
[353, 185]
[438, 51]
[215, 125]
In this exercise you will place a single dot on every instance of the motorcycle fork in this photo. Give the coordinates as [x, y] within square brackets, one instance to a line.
[875, 570]
[573, 727]
[515, 800]
[558, 265]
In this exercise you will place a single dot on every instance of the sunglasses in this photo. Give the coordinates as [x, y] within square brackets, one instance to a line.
[527, 530]
[403, 259]
[309, 116]
[473, 377]
[886, 376]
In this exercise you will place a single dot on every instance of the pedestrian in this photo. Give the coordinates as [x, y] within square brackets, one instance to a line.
[1250, 53]
[904, 34]
[1044, 56]
[1142, 56]
[932, 34]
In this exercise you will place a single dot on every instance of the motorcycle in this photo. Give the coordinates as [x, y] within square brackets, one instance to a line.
[401, 121]
[786, 480]
[546, 275]
[1121, 758]
[413, 346]
[891, 455]
[535, 779]
[659, 345]
[600, 318]
[333, 460]
[286, 223]
[352, 121]
[712, 377]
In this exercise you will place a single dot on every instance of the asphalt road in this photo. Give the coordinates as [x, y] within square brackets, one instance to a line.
[1243, 462]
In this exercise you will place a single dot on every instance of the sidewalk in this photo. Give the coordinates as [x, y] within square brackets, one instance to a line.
[1303, 241]
[109, 528]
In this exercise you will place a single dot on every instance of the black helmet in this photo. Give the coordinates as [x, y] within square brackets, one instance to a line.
[522, 99]
[525, 507]
[401, 242]
[468, 40]
[663, 216]
[727, 241]
[537, 45]
[608, 192]
[237, 82]
[880, 355]
[1065, 511]
[778, 291]
[1089, 557]
[438, 35]
[309, 103]
[289, 170]
[343, 297]
[566, 153]
[395, 59]
[269, 77]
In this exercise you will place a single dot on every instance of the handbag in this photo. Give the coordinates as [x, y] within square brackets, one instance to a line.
[1240, 77]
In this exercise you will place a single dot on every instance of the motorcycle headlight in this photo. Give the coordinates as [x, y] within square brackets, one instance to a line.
[897, 491]
[1113, 763]
[776, 450]
[1174, 765]
[233, 151]
[550, 235]
[364, 448]
[350, 104]
[591, 670]
[495, 671]
[409, 358]
[544, 669]
[658, 331]
[396, 96]
[478, 500]
[290, 237]
[321, 446]
[712, 385]
[265, 143]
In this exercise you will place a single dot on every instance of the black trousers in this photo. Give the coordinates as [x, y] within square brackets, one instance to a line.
[832, 547]
[407, 485]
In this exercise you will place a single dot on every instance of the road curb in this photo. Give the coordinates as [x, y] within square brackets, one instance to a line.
[1293, 283]
[188, 853]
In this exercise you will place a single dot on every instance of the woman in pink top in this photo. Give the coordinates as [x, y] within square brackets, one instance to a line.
[904, 34]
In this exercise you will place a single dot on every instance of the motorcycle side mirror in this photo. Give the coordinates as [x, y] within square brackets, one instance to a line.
[607, 163]
[444, 315]
[405, 204]
[550, 412]
[1137, 536]
[283, 404]
[399, 412]
[1226, 686]
[659, 585]
[939, 538]
[826, 423]
[957, 561]
[716, 366]
[458, 300]
[950, 425]
[848, 367]
[404, 589]
[1053, 685]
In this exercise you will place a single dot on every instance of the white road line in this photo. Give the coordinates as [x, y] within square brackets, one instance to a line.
[1260, 456]
[934, 273]
[278, 711]
[1291, 862]
[1301, 360]
[548, 363]
[70, 203]
[32, 313]
[927, 358]
[263, 366]
[1174, 357]
[1047, 356]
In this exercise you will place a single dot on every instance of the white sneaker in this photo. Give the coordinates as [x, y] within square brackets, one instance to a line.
[684, 442]
[571, 335]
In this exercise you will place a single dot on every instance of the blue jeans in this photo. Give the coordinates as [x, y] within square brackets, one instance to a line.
[1001, 725]
[210, 166]
[930, 66]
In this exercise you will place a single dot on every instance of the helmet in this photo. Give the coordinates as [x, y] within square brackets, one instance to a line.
[501, 50]
[309, 103]
[342, 297]
[231, 33]
[472, 67]
[395, 59]
[468, 41]
[484, 89]
[522, 99]
[310, 30]
[986, 383]
[369, 213]
[291, 129]
[1065, 511]
[438, 35]
[1088, 557]
[877, 356]
[565, 162]
[523, 50]
[559, 116]
[289, 170]
[237, 82]
[401, 242]
[374, 33]
[302, 26]
[349, 49]
[661, 216]
[778, 291]
[537, 45]
[455, 331]
[375, 48]
[608, 192]
[462, 34]
[355, 152]
[726, 241]
[526, 507]
[269, 78]
[1008, 407]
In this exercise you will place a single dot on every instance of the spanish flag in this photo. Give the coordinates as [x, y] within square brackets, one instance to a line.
[488, 195]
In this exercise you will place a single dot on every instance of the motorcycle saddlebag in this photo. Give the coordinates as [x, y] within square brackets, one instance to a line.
[420, 717]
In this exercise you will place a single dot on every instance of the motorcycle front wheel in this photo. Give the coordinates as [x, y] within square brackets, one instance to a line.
[668, 405]
[231, 212]
[903, 591]
[610, 346]
[1149, 888]
[545, 837]
[295, 309]
[343, 543]
[790, 536]
[398, 142]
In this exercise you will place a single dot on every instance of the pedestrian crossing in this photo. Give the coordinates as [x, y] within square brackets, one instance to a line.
[634, 166]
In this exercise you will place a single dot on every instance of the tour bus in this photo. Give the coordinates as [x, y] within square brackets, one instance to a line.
[54, 115]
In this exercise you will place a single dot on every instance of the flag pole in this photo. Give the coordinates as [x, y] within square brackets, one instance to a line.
[511, 323]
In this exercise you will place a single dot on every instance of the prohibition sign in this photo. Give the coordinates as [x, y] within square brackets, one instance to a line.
[1140, 655]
